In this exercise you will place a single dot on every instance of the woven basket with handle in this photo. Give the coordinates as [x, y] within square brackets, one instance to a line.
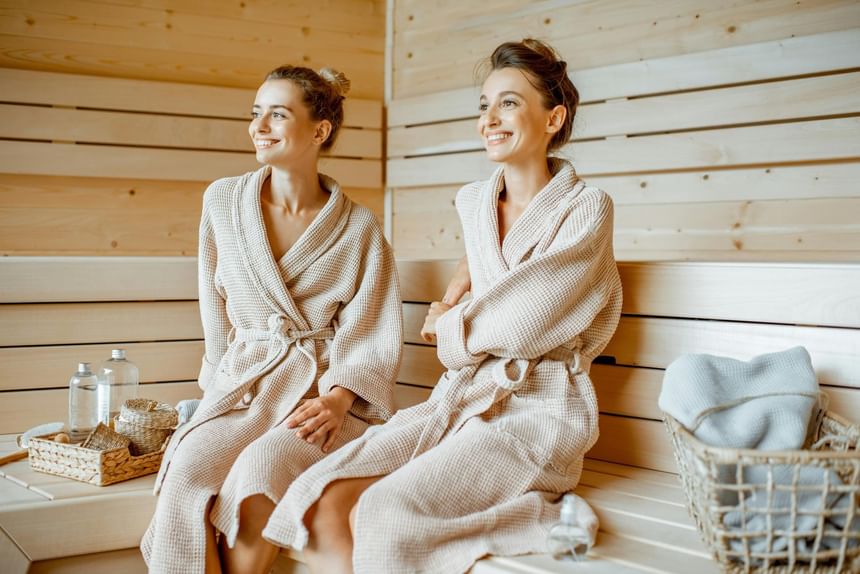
[713, 475]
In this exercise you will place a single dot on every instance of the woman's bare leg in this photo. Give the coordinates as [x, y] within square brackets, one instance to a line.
[329, 522]
[251, 553]
[213, 562]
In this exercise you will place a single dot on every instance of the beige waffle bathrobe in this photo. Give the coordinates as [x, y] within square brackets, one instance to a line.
[479, 467]
[276, 332]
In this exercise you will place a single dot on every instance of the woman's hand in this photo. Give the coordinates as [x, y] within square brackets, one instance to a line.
[437, 309]
[319, 420]
[459, 285]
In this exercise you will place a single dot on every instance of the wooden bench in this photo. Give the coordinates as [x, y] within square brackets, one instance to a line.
[51, 317]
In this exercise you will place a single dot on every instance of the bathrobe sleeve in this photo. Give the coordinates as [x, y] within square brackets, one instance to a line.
[212, 299]
[365, 352]
[540, 304]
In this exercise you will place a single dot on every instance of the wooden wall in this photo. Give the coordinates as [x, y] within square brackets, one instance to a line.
[116, 114]
[723, 130]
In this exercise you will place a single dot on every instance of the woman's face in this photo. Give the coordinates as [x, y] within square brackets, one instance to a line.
[514, 123]
[283, 132]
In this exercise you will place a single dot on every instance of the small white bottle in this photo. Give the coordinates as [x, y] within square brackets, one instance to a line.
[567, 539]
[83, 409]
[118, 379]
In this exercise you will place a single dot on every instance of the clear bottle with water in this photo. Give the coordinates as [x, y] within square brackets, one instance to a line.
[118, 381]
[567, 539]
[83, 403]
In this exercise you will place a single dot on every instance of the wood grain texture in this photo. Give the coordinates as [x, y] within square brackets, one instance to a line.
[75, 323]
[105, 93]
[161, 44]
[784, 58]
[805, 98]
[81, 160]
[437, 56]
[51, 366]
[821, 140]
[38, 123]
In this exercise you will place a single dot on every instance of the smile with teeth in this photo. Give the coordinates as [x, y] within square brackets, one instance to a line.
[498, 137]
[263, 144]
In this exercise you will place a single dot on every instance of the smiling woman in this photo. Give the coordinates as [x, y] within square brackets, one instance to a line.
[504, 433]
[300, 308]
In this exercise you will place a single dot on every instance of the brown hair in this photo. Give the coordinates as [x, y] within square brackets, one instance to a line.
[547, 72]
[324, 93]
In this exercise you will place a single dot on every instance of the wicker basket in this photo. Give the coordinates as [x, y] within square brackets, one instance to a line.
[109, 460]
[147, 423]
[753, 508]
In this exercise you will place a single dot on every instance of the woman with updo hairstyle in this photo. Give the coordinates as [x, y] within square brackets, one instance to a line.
[481, 466]
[300, 307]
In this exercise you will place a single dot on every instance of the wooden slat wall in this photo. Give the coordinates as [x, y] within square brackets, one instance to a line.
[115, 115]
[723, 131]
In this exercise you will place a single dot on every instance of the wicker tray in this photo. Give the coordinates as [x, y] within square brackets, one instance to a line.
[98, 467]
[719, 489]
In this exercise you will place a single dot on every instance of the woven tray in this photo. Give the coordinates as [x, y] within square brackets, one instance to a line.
[98, 467]
[722, 484]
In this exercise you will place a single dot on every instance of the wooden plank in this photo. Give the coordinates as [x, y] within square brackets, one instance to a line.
[127, 561]
[51, 366]
[91, 126]
[15, 560]
[67, 488]
[649, 491]
[49, 215]
[778, 225]
[635, 442]
[820, 140]
[602, 561]
[406, 396]
[768, 183]
[66, 278]
[151, 163]
[76, 526]
[783, 58]
[646, 520]
[443, 58]
[13, 494]
[75, 323]
[423, 280]
[639, 474]
[656, 342]
[420, 366]
[21, 410]
[157, 63]
[350, 16]
[95, 92]
[762, 292]
[157, 29]
[805, 98]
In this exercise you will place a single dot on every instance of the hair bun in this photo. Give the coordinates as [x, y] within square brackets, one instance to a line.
[337, 80]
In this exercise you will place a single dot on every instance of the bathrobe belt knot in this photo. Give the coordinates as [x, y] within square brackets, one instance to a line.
[283, 332]
[510, 374]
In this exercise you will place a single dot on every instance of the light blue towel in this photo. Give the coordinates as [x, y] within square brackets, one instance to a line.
[765, 404]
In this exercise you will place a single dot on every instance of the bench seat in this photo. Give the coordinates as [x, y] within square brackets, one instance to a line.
[48, 519]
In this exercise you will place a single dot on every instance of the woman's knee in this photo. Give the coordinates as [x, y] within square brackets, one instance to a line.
[256, 510]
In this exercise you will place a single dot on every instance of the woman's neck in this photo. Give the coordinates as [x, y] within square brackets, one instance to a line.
[295, 190]
[524, 181]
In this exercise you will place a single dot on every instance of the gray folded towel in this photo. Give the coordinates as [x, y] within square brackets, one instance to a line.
[766, 404]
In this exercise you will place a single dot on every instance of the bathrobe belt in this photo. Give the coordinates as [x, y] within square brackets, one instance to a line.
[509, 374]
[281, 335]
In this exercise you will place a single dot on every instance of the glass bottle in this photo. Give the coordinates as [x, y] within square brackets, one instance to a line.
[118, 382]
[567, 539]
[83, 411]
